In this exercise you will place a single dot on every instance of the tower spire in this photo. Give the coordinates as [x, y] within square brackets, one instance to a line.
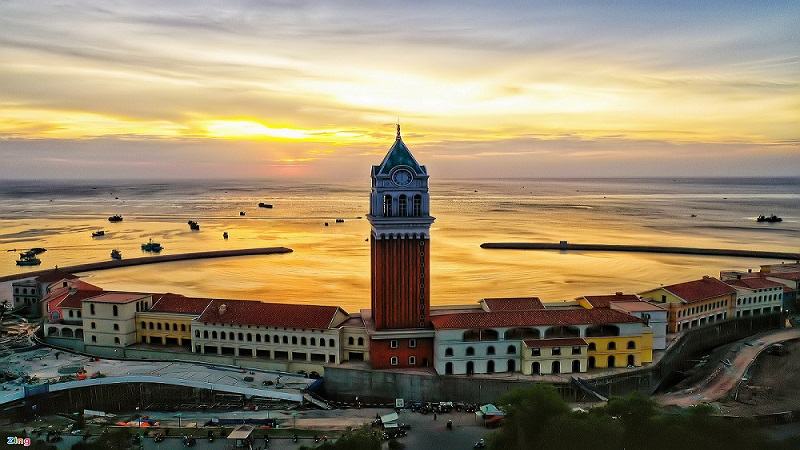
[398, 128]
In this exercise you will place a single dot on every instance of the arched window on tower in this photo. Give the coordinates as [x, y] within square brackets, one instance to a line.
[387, 206]
[403, 206]
[417, 205]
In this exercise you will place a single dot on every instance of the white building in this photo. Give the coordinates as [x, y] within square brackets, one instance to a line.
[756, 296]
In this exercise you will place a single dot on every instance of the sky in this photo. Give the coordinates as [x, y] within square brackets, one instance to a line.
[312, 90]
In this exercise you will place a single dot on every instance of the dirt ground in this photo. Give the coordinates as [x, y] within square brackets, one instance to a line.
[773, 385]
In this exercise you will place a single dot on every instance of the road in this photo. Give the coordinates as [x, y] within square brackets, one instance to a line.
[725, 378]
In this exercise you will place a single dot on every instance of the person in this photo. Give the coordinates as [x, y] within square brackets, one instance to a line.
[449, 424]
[434, 416]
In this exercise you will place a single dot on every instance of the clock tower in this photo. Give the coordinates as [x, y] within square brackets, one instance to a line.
[400, 251]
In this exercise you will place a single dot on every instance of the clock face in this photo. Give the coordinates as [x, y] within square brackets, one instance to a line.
[402, 177]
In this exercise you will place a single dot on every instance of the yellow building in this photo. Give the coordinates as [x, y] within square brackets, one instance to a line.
[694, 303]
[168, 321]
[619, 351]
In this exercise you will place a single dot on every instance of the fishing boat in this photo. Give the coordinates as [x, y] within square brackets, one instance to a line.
[264, 205]
[241, 213]
[38, 250]
[98, 233]
[339, 220]
[115, 218]
[31, 261]
[194, 225]
[225, 235]
[770, 219]
[116, 254]
[151, 246]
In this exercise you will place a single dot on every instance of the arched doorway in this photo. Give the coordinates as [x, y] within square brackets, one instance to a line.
[590, 362]
[576, 366]
[511, 365]
[536, 368]
[448, 368]
[631, 360]
[611, 361]
[470, 367]
[556, 367]
[490, 367]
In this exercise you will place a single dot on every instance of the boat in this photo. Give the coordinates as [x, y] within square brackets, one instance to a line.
[771, 219]
[194, 225]
[151, 246]
[116, 254]
[26, 254]
[98, 233]
[29, 261]
[225, 235]
[339, 220]
[115, 218]
[38, 250]
[241, 213]
[264, 205]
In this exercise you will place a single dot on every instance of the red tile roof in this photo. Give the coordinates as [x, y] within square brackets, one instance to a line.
[179, 304]
[755, 283]
[699, 290]
[55, 275]
[72, 295]
[572, 316]
[249, 312]
[794, 276]
[556, 342]
[513, 304]
[119, 297]
[603, 301]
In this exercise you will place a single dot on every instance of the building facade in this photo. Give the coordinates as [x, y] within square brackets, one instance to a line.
[694, 303]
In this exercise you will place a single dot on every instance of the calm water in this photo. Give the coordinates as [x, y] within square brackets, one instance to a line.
[330, 265]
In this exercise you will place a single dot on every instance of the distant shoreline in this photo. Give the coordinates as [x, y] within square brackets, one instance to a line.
[113, 264]
[640, 249]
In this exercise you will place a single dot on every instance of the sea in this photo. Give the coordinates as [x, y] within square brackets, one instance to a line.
[330, 264]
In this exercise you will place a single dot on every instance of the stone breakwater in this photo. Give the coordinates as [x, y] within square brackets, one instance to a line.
[641, 249]
[113, 264]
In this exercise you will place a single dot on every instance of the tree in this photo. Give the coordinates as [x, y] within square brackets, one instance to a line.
[528, 411]
[359, 439]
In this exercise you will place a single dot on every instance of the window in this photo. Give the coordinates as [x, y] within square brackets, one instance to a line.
[470, 351]
[116, 327]
[313, 341]
[592, 346]
[393, 343]
[417, 205]
[144, 325]
[91, 309]
[183, 327]
[393, 360]
[197, 333]
[511, 350]
[158, 325]
[294, 340]
[322, 342]
[612, 345]
[555, 351]
[412, 343]
[331, 343]
[241, 336]
[576, 350]
[78, 313]
[403, 206]
[412, 360]
[448, 351]
[70, 314]
[663, 298]
[536, 352]
[258, 338]
[222, 335]
[490, 350]
[175, 327]
[116, 340]
[249, 337]
[285, 339]
[303, 341]
[387, 206]
[93, 325]
[94, 338]
[115, 310]
[213, 334]
[360, 341]
[631, 345]
[350, 340]
[230, 335]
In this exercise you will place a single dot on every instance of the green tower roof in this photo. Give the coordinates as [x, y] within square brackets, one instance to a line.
[399, 155]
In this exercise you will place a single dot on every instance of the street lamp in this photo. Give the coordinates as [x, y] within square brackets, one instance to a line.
[179, 419]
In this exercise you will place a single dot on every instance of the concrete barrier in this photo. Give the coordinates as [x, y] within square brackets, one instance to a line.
[564, 245]
[113, 264]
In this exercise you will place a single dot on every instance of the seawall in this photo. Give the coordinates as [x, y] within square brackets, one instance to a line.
[641, 249]
[113, 264]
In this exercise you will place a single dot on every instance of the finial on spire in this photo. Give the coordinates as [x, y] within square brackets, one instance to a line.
[398, 128]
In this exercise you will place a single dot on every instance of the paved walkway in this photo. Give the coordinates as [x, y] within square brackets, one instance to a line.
[725, 378]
